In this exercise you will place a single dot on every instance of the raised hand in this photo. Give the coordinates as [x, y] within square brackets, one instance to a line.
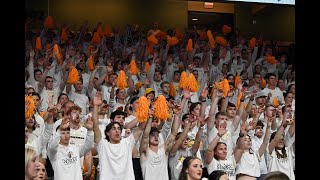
[65, 123]
[204, 93]
[176, 109]
[97, 100]
[222, 129]
[89, 123]
[187, 94]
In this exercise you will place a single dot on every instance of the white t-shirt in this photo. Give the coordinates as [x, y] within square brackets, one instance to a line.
[256, 143]
[81, 100]
[115, 160]
[229, 166]
[284, 165]
[176, 161]
[249, 164]
[155, 165]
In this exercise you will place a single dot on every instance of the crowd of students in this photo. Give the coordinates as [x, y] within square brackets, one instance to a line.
[157, 104]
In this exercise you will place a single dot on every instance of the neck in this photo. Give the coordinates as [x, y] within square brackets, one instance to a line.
[121, 101]
[154, 148]
[75, 125]
[272, 87]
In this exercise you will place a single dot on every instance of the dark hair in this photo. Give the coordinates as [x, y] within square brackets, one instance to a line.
[133, 99]
[62, 95]
[163, 83]
[115, 113]
[260, 123]
[276, 175]
[154, 129]
[109, 127]
[35, 94]
[193, 105]
[283, 150]
[176, 71]
[186, 163]
[215, 175]
[220, 113]
[289, 87]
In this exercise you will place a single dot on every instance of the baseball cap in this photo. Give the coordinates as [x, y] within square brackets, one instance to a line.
[149, 90]
[260, 94]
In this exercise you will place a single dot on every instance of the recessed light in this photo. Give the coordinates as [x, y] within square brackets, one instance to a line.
[194, 19]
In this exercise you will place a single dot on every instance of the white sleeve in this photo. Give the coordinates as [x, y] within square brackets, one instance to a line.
[84, 149]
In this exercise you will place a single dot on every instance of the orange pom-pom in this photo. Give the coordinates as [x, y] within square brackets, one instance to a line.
[172, 91]
[108, 32]
[225, 87]
[73, 75]
[183, 83]
[133, 67]
[271, 60]
[43, 113]
[48, 22]
[244, 104]
[161, 35]
[57, 53]
[96, 39]
[192, 83]
[150, 49]
[263, 83]
[90, 49]
[100, 31]
[275, 102]
[38, 43]
[31, 107]
[252, 42]
[147, 67]
[64, 35]
[90, 63]
[238, 100]
[152, 38]
[211, 39]
[189, 46]
[178, 34]
[226, 29]
[237, 80]
[162, 110]
[222, 41]
[122, 80]
[142, 113]
[172, 40]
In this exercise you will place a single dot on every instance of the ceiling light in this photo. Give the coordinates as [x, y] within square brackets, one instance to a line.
[194, 19]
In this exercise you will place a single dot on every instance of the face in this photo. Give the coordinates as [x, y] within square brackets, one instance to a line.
[221, 151]
[112, 78]
[231, 111]
[63, 99]
[280, 144]
[258, 68]
[31, 166]
[114, 134]
[119, 119]
[195, 169]
[78, 86]
[68, 106]
[40, 171]
[254, 110]
[176, 77]
[259, 131]
[292, 89]
[221, 119]
[260, 101]
[289, 98]
[230, 79]
[269, 112]
[121, 94]
[49, 83]
[154, 138]
[150, 96]
[75, 116]
[30, 122]
[272, 80]
[224, 69]
[104, 108]
[184, 144]
[65, 137]
[247, 143]
[36, 99]
[196, 111]
[281, 84]
[196, 62]
[157, 76]
[135, 105]
[166, 88]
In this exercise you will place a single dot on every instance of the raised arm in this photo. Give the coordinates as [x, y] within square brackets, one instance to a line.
[54, 142]
[84, 149]
[266, 138]
[214, 102]
[174, 129]
[139, 131]
[278, 135]
[222, 129]
[97, 101]
[196, 145]
[181, 138]
[145, 136]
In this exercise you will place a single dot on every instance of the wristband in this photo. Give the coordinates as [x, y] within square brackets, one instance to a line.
[204, 100]
[241, 100]
[241, 135]
[219, 135]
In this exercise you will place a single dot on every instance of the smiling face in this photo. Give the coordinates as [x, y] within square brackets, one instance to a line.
[221, 151]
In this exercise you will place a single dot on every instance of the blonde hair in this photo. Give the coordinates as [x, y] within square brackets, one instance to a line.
[29, 153]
